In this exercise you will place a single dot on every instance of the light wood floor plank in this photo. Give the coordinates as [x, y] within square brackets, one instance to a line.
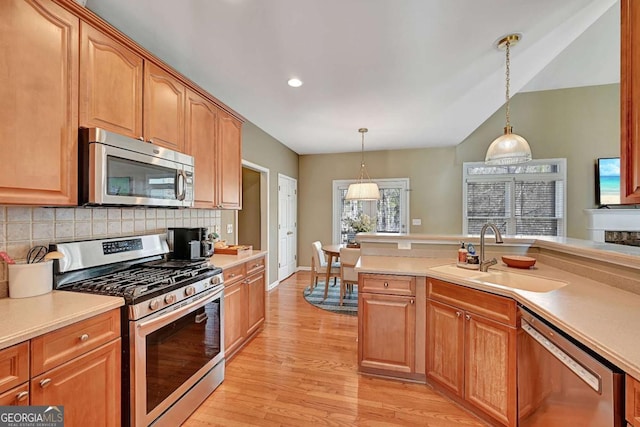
[301, 370]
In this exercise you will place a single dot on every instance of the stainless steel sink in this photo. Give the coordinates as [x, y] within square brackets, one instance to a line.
[507, 279]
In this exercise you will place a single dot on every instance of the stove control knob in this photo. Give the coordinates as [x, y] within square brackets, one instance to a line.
[154, 304]
[170, 299]
[190, 290]
[215, 280]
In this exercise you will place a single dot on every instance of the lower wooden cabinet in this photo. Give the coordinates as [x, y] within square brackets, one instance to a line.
[78, 367]
[471, 355]
[88, 387]
[632, 401]
[387, 324]
[244, 304]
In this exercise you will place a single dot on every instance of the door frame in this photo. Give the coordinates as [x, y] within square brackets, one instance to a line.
[264, 214]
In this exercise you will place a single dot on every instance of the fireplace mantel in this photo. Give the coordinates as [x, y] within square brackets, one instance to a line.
[601, 220]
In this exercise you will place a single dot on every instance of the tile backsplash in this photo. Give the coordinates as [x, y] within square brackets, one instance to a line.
[24, 227]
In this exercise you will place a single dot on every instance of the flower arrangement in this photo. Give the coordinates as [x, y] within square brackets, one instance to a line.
[362, 223]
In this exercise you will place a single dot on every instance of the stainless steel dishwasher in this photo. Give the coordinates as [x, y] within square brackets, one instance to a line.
[562, 383]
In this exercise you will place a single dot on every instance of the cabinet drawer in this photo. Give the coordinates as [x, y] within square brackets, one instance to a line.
[14, 366]
[18, 396]
[500, 309]
[255, 266]
[387, 284]
[57, 347]
[233, 274]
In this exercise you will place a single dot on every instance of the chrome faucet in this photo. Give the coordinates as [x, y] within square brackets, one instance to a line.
[484, 265]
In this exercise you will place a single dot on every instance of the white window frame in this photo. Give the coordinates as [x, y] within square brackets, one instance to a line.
[561, 175]
[402, 183]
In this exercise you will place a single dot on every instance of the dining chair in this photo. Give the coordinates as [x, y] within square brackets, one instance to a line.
[319, 267]
[348, 275]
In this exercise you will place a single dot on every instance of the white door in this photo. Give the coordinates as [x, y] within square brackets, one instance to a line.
[287, 226]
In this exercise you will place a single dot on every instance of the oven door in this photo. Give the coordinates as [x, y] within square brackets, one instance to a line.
[123, 177]
[171, 351]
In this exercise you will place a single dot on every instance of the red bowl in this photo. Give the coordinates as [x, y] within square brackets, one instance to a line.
[518, 261]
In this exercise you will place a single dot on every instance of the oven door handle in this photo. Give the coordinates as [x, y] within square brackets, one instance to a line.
[162, 319]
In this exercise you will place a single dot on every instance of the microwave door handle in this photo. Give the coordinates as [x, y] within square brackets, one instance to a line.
[181, 187]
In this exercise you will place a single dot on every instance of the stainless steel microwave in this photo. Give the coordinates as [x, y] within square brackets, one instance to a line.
[121, 171]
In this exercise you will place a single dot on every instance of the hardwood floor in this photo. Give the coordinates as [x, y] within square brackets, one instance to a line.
[302, 370]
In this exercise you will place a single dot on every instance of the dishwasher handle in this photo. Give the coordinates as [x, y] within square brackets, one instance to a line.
[592, 380]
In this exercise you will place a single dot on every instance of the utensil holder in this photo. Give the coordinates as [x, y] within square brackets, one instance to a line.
[29, 280]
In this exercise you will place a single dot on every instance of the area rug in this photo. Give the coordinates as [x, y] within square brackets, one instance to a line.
[332, 303]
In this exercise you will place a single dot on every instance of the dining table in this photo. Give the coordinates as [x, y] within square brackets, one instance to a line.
[333, 254]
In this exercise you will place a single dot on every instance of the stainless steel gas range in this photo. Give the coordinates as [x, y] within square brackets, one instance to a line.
[172, 322]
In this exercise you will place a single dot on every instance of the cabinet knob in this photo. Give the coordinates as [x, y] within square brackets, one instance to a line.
[467, 317]
[232, 275]
[84, 337]
[458, 313]
[45, 382]
[386, 284]
[141, 138]
[22, 396]
[412, 301]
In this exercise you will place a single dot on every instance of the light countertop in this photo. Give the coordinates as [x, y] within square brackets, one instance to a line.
[226, 261]
[602, 317]
[26, 318]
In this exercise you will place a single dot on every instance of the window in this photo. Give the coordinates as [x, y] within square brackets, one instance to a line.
[391, 212]
[526, 199]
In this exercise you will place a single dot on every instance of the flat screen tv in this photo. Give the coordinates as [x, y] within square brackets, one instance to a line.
[608, 181]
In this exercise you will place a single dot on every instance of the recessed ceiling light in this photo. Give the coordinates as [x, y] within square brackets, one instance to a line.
[294, 82]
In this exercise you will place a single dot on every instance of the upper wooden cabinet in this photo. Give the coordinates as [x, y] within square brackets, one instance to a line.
[630, 102]
[111, 80]
[163, 108]
[229, 162]
[38, 103]
[201, 117]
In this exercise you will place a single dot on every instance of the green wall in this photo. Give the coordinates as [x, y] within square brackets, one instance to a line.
[580, 124]
[262, 149]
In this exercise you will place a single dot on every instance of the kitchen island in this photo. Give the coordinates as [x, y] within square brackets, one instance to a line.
[590, 291]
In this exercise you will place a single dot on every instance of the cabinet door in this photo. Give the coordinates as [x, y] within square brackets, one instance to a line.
[38, 103]
[255, 299]
[229, 162]
[110, 84]
[387, 332]
[163, 108]
[200, 142]
[630, 102]
[14, 366]
[88, 387]
[18, 396]
[490, 367]
[632, 401]
[235, 318]
[445, 345]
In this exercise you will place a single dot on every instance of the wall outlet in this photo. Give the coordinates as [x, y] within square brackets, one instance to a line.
[416, 221]
[404, 245]
[229, 228]
[216, 229]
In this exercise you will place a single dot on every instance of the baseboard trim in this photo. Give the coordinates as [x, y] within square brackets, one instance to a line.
[273, 285]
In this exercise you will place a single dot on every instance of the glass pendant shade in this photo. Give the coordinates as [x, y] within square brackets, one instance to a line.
[363, 188]
[508, 149]
[363, 191]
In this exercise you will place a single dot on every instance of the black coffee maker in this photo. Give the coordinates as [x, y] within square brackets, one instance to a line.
[190, 243]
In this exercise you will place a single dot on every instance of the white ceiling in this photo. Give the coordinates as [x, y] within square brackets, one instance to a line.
[417, 73]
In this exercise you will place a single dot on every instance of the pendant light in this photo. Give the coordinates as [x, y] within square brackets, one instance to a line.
[363, 188]
[510, 148]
